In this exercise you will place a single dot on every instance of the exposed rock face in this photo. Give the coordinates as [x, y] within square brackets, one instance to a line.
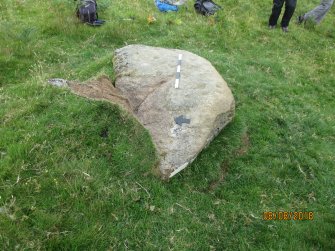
[100, 89]
[181, 121]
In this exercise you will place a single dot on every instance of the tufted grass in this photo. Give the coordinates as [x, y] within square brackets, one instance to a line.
[77, 174]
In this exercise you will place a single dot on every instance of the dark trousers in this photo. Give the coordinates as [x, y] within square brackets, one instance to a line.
[276, 9]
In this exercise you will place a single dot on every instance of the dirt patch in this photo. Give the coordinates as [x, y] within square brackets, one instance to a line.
[223, 173]
[100, 89]
[242, 150]
[245, 145]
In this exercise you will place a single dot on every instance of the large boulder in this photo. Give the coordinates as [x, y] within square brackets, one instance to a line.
[182, 121]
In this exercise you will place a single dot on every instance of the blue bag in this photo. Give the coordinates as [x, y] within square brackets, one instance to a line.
[164, 7]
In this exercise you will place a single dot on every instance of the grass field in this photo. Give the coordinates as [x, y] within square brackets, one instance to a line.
[77, 174]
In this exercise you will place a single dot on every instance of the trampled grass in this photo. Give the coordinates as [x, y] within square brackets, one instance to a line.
[77, 174]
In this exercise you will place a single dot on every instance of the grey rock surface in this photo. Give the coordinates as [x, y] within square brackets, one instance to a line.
[59, 82]
[181, 121]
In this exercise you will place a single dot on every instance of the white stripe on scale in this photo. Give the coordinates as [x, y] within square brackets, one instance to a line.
[176, 85]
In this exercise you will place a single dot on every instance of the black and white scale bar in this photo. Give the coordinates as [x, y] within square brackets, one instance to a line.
[176, 85]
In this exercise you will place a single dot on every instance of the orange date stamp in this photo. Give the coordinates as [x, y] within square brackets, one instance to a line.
[282, 215]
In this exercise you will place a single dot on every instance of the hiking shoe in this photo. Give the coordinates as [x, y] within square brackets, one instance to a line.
[300, 19]
[284, 29]
[271, 27]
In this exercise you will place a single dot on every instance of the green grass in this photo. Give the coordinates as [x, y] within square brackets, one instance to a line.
[77, 174]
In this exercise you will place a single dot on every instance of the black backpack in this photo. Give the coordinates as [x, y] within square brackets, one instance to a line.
[87, 11]
[206, 7]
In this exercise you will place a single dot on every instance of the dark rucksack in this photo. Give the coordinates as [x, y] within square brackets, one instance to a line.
[206, 7]
[87, 11]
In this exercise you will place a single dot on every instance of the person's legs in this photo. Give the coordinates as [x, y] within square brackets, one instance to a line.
[319, 12]
[276, 9]
[289, 10]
